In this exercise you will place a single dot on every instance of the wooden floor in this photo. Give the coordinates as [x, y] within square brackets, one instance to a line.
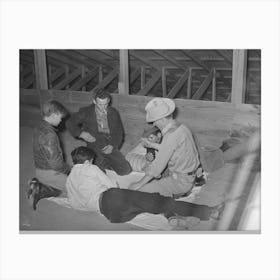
[53, 217]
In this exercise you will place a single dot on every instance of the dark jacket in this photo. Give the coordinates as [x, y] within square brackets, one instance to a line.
[85, 120]
[47, 152]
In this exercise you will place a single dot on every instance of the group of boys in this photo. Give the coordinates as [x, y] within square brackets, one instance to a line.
[167, 154]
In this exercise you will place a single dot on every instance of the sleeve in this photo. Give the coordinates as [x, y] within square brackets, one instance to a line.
[163, 156]
[118, 132]
[103, 178]
[75, 122]
[53, 154]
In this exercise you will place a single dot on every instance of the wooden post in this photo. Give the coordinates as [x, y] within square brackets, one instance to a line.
[124, 73]
[163, 81]
[41, 73]
[214, 85]
[189, 92]
[83, 74]
[66, 75]
[50, 74]
[143, 77]
[239, 71]
[40, 69]
[100, 74]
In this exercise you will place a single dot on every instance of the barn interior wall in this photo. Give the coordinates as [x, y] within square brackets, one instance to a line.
[211, 121]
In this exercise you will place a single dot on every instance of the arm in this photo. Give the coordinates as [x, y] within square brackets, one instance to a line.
[53, 153]
[116, 128]
[75, 122]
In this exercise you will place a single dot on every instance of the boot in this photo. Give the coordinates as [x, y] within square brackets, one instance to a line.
[37, 191]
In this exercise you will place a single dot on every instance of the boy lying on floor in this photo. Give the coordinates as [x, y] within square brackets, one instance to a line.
[90, 189]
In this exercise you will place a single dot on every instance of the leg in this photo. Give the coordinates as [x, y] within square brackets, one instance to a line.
[168, 186]
[118, 163]
[52, 178]
[122, 205]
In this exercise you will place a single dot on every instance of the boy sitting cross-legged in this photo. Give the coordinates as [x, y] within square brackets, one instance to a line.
[90, 189]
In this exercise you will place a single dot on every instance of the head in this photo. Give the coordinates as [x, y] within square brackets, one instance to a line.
[153, 134]
[82, 155]
[53, 112]
[159, 111]
[101, 99]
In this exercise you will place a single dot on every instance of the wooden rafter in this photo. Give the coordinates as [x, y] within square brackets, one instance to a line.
[59, 72]
[57, 57]
[145, 60]
[163, 82]
[174, 91]
[108, 79]
[28, 81]
[69, 79]
[189, 90]
[202, 89]
[150, 84]
[82, 82]
[171, 59]
[76, 58]
[94, 58]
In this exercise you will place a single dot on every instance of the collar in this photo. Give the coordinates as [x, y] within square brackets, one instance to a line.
[172, 124]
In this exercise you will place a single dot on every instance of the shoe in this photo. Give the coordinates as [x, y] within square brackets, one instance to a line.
[217, 211]
[37, 191]
[181, 222]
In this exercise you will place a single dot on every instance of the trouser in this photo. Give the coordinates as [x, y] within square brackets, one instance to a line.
[52, 178]
[122, 205]
[169, 186]
[114, 161]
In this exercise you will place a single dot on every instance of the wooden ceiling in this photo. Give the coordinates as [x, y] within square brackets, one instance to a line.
[152, 72]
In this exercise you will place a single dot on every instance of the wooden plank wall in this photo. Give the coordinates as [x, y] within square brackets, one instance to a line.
[211, 121]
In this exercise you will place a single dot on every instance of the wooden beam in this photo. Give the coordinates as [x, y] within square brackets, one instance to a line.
[132, 77]
[59, 72]
[94, 58]
[150, 84]
[28, 82]
[145, 60]
[202, 89]
[189, 91]
[123, 84]
[83, 74]
[163, 82]
[81, 83]
[174, 91]
[170, 59]
[66, 81]
[239, 71]
[108, 79]
[143, 77]
[214, 85]
[41, 73]
[100, 74]
[51, 54]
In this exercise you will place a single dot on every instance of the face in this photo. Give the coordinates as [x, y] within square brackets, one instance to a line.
[55, 119]
[102, 104]
[159, 123]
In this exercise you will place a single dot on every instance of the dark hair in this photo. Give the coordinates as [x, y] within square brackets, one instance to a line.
[53, 107]
[81, 154]
[101, 93]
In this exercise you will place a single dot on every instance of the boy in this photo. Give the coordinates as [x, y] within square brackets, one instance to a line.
[89, 188]
[50, 167]
[141, 156]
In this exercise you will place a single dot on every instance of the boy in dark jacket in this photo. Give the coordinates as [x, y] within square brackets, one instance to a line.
[100, 126]
[50, 167]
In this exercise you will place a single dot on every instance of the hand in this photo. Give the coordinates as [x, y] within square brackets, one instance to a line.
[146, 143]
[107, 149]
[149, 157]
[87, 137]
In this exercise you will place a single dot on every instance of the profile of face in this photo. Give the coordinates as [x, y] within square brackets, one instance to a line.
[102, 104]
[55, 119]
[155, 138]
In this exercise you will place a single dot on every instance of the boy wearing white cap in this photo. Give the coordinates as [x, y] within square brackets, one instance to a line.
[177, 151]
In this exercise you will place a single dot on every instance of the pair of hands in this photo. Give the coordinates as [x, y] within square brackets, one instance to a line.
[91, 139]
